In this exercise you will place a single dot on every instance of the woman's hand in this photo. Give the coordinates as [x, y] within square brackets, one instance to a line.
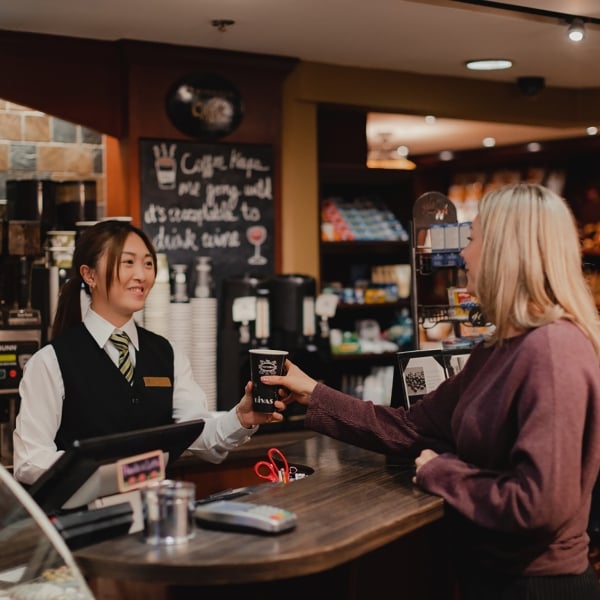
[423, 458]
[248, 418]
[297, 386]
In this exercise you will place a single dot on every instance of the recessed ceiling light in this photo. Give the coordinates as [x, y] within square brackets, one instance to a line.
[488, 142]
[534, 147]
[489, 64]
[592, 130]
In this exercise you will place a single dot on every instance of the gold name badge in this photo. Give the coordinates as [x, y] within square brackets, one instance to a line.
[157, 382]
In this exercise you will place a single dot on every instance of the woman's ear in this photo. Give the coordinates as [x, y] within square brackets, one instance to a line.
[88, 276]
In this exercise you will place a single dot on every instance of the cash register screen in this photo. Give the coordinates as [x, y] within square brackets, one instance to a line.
[87, 470]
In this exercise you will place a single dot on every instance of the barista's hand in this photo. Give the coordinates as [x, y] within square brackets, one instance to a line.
[298, 385]
[423, 458]
[249, 418]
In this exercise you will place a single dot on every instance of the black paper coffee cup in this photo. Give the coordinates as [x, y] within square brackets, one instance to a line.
[264, 361]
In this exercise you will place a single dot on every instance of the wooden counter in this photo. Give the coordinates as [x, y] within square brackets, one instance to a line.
[355, 522]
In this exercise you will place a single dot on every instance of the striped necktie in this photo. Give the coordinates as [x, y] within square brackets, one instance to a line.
[121, 342]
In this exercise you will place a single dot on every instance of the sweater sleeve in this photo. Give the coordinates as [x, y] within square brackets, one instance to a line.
[550, 400]
[385, 429]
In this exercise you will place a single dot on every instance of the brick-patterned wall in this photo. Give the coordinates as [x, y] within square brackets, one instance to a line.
[34, 145]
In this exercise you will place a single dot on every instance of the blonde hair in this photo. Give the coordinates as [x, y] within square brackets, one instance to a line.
[530, 270]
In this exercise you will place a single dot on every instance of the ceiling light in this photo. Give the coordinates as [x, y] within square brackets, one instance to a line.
[489, 142]
[534, 147]
[401, 163]
[384, 154]
[576, 31]
[489, 64]
[592, 130]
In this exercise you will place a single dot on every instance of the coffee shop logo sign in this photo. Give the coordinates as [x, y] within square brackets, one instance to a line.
[224, 187]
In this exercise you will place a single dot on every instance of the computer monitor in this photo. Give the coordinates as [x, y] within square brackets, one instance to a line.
[87, 471]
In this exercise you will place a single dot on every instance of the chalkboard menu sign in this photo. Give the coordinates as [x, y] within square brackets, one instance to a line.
[212, 200]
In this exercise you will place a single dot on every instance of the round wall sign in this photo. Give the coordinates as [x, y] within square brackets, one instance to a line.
[204, 106]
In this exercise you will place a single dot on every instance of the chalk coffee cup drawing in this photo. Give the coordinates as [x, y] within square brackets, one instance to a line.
[264, 361]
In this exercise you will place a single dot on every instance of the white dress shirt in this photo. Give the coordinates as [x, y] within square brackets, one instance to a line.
[42, 394]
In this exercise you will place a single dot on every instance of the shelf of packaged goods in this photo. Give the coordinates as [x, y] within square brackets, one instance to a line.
[359, 247]
[368, 306]
[428, 262]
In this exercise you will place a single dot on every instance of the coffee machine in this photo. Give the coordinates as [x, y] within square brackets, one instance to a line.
[244, 323]
[277, 312]
[294, 328]
[30, 277]
[20, 322]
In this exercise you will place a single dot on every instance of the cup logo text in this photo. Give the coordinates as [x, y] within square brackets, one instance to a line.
[267, 367]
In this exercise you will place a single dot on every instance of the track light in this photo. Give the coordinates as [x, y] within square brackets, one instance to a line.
[576, 31]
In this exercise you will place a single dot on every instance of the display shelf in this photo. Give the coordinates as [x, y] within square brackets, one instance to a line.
[362, 246]
[344, 176]
[368, 306]
[428, 261]
[370, 358]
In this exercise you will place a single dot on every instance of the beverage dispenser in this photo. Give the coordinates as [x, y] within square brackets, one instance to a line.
[294, 328]
[244, 323]
[293, 311]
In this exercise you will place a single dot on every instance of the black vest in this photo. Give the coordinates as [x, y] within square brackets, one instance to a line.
[98, 400]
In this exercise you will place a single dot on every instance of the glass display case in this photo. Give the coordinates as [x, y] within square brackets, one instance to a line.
[35, 563]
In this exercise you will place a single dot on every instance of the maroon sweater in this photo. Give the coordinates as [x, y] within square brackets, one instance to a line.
[518, 432]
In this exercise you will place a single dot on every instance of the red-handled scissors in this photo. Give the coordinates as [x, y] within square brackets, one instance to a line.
[271, 470]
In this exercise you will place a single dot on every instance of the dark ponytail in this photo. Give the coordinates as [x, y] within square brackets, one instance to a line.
[68, 310]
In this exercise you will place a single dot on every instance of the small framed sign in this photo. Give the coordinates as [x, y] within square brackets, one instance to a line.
[421, 371]
[135, 472]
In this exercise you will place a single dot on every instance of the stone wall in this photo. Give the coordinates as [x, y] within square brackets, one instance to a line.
[34, 145]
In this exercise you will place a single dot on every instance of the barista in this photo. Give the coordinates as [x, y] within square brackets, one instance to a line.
[73, 388]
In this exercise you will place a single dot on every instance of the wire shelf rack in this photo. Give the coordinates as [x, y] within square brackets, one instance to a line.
[468, 313]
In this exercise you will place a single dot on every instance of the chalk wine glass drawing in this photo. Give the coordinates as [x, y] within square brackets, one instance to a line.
[257, 235]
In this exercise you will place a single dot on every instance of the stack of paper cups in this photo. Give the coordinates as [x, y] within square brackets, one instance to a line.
[180, 317]
[156, 309]
[204, 346]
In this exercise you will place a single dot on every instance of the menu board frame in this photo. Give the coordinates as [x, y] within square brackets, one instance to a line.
[210, 199]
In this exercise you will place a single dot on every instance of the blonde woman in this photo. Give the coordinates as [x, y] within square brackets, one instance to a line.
[512, 442]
